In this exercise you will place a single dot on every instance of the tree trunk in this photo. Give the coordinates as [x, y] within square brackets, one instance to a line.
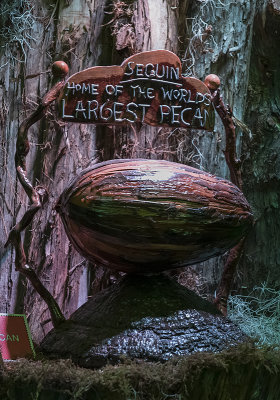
[209, 36]
[261, 168]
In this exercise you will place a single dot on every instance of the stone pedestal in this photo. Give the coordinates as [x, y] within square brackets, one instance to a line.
[151, 318]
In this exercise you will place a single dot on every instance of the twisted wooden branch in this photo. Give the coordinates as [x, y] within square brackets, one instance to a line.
[1, 362]
[37, 195]
[225, 113]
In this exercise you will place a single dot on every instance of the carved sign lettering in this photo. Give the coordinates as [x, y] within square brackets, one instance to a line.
[15, 338]
[148, 88]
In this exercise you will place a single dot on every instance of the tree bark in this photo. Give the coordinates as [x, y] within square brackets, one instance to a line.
[261, 162]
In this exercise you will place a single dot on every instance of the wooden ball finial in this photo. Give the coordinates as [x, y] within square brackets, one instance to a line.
[60, 69]
[212, 81]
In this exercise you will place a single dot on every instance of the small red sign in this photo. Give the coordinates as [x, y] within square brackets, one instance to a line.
[15, 337]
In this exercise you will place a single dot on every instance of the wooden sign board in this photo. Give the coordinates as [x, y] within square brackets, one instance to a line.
[15, 337]
[148, 88]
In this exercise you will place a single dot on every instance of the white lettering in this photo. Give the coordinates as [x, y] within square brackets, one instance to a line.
[63, 111]
[173, 109]
[139, 70]
[110, 89]
[85, 88]
[80, 108]
[182, 116]
[130, 69]
[107, 111]
[162, 113]
[150, 74]
[144, 106]
[117, 112]
[166, 93]
[94, 88]
[71, 86]
[150, 92]
[131, 112]
[92, 110]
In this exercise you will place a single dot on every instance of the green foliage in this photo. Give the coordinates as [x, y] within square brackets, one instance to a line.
[258, 314]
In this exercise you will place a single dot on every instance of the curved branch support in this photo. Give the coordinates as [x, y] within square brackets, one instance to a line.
[225, 113]
[225, 283]
[37, 195]
[21, 266]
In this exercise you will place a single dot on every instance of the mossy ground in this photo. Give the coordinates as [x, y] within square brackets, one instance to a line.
[242, 373]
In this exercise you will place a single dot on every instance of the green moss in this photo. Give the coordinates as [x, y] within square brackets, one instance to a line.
[242, 373]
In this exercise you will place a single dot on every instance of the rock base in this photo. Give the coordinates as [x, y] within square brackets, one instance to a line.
[151, 318]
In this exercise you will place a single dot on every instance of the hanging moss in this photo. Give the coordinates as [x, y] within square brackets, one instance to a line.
[243, 373]
[257, 314]
[16, 28]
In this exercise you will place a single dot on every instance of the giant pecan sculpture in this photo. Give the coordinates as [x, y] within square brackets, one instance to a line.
[147, 215]
[140, 215]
